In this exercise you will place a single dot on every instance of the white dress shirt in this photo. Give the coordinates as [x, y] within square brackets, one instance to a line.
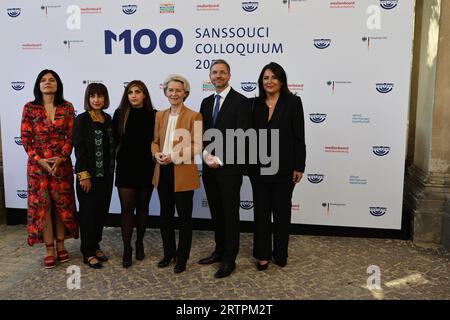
[222, 95]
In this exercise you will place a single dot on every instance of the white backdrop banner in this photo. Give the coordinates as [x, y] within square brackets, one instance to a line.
[350, 62]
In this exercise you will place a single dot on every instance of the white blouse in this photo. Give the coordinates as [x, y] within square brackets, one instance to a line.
[168, 141]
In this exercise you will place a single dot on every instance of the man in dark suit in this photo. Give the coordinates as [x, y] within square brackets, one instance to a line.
[222, 176]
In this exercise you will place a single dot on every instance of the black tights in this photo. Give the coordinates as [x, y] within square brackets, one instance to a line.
[131, 199]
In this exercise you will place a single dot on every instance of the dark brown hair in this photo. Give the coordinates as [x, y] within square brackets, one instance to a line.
[92, 89]
[125, 105]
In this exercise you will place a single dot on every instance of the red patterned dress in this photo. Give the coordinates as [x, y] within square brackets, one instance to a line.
[43, 139]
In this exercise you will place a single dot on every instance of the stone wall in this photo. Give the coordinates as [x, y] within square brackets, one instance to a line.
[427, 178]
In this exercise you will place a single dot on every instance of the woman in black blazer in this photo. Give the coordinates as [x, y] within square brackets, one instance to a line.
[276, 108]
[94, 150]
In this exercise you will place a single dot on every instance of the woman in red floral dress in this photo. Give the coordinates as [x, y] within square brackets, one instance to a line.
[46, 132]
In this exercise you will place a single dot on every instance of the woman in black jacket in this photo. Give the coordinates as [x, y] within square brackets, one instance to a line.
[276, 110]
[94, 150]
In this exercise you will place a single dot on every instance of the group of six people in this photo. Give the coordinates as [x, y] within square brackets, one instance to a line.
[143, 149]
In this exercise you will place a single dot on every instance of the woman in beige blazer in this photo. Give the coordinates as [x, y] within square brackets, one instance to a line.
[177, 140]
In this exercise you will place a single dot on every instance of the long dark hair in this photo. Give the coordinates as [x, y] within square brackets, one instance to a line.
[279, 72]
[125, 105]
[59, 98]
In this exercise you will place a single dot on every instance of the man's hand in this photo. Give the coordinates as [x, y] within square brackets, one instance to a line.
[297, 176]
[211, 161]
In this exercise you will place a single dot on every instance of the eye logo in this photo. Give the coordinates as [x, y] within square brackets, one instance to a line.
[246, 204]
[18, 141]
[248, 86]
[129, 9]
[388, 4]
[384, 87]
[250, 6]
[317, 117]
[322, 43]
[13, 12]
[22, 194]
[315, 178]
[381, 150]
[377, 211]
[18, 85]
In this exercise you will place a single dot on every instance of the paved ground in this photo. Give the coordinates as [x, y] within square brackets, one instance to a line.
[318, 268]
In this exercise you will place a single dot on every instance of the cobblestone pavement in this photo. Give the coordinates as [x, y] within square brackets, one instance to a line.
[318, 268]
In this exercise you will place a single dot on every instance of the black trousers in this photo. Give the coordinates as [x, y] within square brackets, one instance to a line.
[169, 199]
[271, 198]
[93, 208]
[224, 193]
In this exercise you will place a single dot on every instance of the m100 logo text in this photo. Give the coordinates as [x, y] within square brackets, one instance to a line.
[170, 41]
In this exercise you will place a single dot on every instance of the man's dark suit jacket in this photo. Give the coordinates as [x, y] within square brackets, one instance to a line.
[234, 114]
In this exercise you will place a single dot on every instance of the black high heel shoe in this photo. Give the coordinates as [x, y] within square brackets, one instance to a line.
[140, 254]
[262, 267]
[127, 259]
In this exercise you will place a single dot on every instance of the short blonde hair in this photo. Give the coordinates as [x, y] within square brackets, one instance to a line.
[176, 77]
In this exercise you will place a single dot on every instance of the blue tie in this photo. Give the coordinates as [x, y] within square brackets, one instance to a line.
[216, 109]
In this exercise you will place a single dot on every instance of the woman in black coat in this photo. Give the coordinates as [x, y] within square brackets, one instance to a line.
[276, 109]
[94, 150]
